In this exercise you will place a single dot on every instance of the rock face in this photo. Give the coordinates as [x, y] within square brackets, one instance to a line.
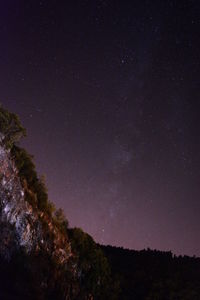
[40, 256]
[23, 225]
[14, 209]
[28, 231]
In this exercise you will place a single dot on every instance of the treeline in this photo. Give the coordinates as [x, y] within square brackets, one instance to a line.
[154, 275]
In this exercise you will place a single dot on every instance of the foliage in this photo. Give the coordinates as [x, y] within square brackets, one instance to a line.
[61, 221]
[35, 189]
[10, 128]
[92, 266]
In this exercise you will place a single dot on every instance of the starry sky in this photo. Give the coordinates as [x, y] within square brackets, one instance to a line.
[109, 94]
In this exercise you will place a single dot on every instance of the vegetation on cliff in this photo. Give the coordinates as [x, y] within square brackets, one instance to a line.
[56, 262]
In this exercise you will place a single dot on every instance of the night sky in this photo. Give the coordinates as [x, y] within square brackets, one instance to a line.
[109, 92]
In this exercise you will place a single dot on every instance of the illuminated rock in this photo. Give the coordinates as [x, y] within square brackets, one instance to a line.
[20, 216]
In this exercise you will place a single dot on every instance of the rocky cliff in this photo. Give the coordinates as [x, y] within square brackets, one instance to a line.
[40, 256]
[27, 223]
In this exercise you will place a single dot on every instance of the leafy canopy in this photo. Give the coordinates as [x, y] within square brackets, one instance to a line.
[11, 130]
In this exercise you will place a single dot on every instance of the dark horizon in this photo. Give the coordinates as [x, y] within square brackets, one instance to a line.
[109, 94]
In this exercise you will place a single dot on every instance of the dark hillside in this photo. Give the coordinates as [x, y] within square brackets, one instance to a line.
[151, 274]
